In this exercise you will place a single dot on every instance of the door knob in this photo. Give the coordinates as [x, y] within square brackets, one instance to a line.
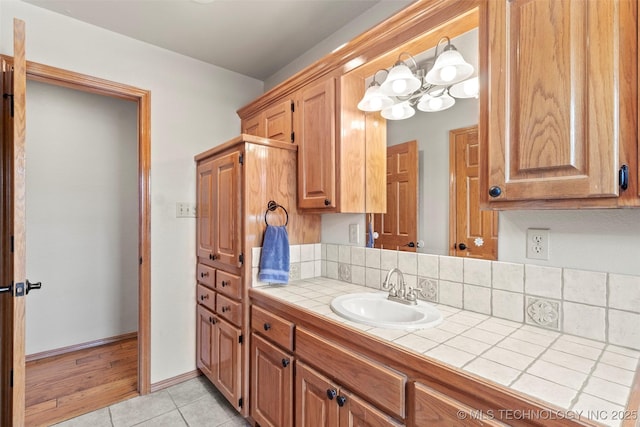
[31, 286]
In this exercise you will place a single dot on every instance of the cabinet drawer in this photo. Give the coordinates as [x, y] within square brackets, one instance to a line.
[384, 387]
[275, 328]
[229, 284]
[433, 408]
[206, 275]
[229, 309]
[206, 297]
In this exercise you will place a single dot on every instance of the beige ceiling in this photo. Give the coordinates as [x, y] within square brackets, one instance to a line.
[252, 37]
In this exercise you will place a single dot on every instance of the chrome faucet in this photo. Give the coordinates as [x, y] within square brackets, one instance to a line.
[399, 292]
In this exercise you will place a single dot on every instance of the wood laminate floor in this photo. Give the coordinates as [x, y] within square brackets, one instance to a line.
[64, 386]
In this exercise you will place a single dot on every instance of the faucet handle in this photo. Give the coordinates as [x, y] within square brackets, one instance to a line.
[393, 292]
[411, 295]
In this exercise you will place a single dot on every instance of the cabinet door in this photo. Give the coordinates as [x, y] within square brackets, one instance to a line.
[204, 343]
[432, 408]
[315, 399]
[205, 210]
[553, 99]
[226, 361]
[355, 412]
[317, 146]
[253, 125]
[226, 209]
[277, 122]
[271, 384]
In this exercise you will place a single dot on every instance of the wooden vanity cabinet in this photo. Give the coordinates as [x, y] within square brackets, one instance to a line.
[432, 408]
[562, 103]
[321, 402]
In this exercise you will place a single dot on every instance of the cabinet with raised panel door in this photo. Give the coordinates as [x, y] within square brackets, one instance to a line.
[562, 103]
[316, 394]
[235, 182]
[274, 122]
[218, 221]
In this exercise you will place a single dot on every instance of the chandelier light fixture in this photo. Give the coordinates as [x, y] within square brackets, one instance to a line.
[404, 89]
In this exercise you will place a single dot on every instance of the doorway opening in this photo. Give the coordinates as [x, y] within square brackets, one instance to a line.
[141, 98]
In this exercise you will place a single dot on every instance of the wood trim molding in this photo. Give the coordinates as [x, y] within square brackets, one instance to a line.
[69, 79]
[161, 385]
[411, 22]
[83, 346]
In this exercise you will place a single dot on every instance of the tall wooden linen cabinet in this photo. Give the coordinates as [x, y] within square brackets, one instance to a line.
[235, 182]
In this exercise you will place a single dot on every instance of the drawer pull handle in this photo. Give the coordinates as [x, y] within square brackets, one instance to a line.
[224, 283]
[205, 274]
[226, 308]
[267, 326]
[204, 297]
[331, 393]
[341, 401]
[285, 363]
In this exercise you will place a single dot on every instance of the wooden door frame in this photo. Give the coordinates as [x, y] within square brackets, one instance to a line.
[85, 83]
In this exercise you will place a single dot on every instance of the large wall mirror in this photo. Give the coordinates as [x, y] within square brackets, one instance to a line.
[433, 133]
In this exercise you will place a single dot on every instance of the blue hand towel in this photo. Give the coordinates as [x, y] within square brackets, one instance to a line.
[274, 259]
[370, 236]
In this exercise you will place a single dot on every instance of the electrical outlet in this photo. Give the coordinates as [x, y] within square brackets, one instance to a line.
[538, 243]
[354, 233]
[185, 210]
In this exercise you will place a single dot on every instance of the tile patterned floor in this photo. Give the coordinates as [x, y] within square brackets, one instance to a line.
[193, 403]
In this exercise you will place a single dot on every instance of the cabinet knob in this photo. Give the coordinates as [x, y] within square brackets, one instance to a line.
[495, 191]
[224, 283]
[212, 320]
[327, 202]
[341, 400]
[266, 326]
[331, 393]
[285, 363]
[226, 308]
[213, 256]
[204, 274]
[462, 246]
[204, 297]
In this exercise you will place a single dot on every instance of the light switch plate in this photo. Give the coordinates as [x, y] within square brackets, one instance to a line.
[185, 210]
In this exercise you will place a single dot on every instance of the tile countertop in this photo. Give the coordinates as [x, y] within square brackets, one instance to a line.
[573, 373]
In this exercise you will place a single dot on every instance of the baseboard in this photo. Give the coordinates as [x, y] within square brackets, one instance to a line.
[160, 385]
[76, 347]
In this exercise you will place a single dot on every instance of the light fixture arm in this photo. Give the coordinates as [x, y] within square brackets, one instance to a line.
[447, 47]
[399, 61]
[374, 81]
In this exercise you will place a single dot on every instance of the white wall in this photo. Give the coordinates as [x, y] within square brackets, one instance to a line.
[373, 16]
[193, 108]
[82, 221]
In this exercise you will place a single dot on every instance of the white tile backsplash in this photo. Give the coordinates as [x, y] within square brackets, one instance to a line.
[477, 272]
[477, 298]
[508, 276]
[543, 281]
[624, 292]
[594, 305]
[588, 287]
[451, 269]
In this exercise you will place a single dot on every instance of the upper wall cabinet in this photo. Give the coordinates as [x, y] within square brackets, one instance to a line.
[274, 122]
[562, 97]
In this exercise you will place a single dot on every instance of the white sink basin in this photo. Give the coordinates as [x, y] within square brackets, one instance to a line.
[375, 309]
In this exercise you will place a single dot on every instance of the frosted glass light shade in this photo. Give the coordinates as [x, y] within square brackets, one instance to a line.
[431, 104]
[399, 111]
[449, 68]
[465, 89]
[374, 100]
[400, 81]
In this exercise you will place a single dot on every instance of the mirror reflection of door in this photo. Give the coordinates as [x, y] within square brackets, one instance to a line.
[398, 228]
[472, 233]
